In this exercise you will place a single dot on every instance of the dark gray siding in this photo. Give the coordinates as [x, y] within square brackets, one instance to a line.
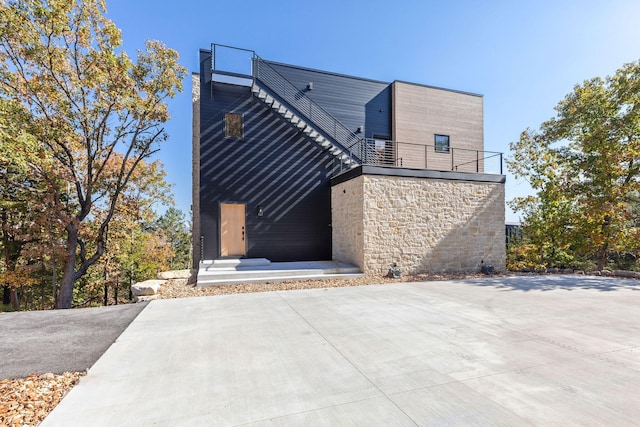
[273, 166]
[355, 102]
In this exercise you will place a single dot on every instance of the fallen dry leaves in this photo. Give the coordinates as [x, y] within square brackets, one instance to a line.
[178, 288]
[27, 401]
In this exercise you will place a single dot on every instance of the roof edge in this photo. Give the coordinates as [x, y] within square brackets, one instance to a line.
[331, 73]
[463, 92]
[417, 173]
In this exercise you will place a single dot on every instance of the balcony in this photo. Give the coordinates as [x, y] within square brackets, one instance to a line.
[378, 152]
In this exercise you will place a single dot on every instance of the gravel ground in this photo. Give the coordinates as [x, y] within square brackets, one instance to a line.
[178, 288]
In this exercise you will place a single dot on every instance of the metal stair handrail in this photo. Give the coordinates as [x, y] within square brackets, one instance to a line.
[317, 115]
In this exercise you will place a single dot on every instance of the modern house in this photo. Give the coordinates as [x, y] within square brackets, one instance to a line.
[294, 164]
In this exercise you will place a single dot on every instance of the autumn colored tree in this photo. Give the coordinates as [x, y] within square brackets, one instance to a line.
[584, 165]
[131, 255]
[88, 104]
[17, 153]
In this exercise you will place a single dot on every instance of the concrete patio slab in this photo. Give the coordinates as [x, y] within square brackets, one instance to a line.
[539, 350]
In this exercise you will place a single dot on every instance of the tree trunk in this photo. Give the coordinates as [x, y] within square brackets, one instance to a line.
[106, 284]
[603, 252]
[602, 257]
[65, 295]
[14, 299]
[6, 295]
[54, 280]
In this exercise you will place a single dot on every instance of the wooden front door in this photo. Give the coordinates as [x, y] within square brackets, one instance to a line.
[232, 230]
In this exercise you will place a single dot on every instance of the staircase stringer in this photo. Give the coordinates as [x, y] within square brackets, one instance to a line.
[305, 126]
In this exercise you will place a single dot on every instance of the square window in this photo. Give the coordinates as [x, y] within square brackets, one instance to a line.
[442, 143]
[233, 125]
[383, 150]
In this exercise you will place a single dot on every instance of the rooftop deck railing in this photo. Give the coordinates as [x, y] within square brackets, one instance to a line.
[361, 150]
[422, 156]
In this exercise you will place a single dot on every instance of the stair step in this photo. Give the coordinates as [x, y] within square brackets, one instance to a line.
[233, 263]
[262, 270]
[221, 282]
[246, 274]
[311, 133]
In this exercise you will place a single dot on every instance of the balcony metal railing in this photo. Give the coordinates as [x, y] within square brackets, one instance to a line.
[321, 119]
[421, 156]
[361, 150]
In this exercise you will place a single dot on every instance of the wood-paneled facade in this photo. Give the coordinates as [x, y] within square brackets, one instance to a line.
[421, 112]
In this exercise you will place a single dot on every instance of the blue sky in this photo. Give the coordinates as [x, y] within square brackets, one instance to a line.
[523, 56]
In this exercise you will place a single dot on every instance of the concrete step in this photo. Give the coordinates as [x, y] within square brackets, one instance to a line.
[251, 273]
[222, 282]
[255, 272]
[232, 264]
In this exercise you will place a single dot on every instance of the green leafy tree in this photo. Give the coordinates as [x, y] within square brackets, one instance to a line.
[584, 165]
[174, 227]
[88, 102]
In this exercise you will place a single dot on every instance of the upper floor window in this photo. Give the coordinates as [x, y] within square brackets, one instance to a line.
[442, 143]
[233, 125]
[383, 150]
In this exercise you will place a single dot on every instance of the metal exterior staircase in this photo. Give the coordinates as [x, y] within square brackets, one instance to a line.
[304, 114]
[304, 126]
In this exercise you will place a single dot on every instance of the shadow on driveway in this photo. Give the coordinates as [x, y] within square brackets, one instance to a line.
[569, 282]
[60, 340]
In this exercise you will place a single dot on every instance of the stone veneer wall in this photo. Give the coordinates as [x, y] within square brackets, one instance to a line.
[422, 224]
[347, 222]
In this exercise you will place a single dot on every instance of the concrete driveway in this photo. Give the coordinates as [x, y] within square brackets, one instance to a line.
[541, 350]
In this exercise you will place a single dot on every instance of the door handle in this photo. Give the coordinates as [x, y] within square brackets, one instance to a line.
[243, 233]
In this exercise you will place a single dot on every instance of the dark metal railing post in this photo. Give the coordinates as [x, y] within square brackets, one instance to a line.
[477, 161]
[426, 158]
[254, 66]
[452, 158]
